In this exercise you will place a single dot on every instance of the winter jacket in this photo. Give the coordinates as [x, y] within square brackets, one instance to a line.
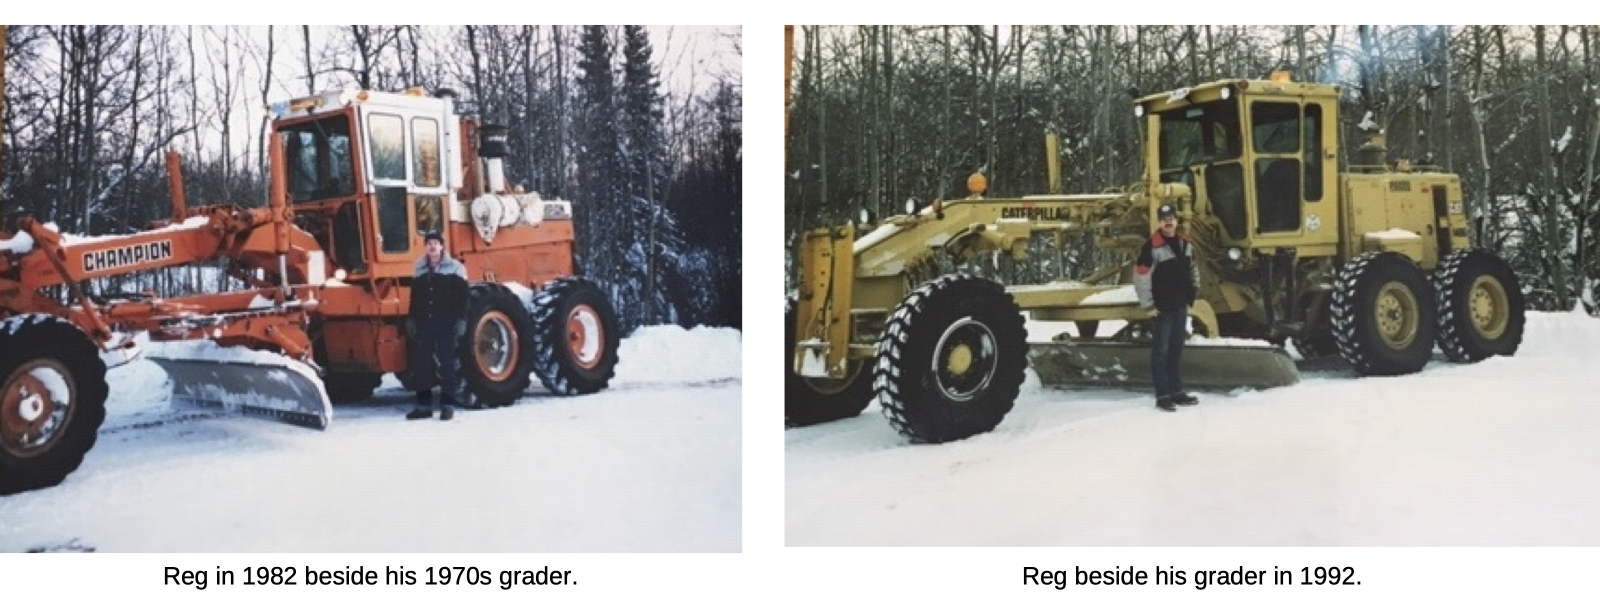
[439, 292]
[1166, 277]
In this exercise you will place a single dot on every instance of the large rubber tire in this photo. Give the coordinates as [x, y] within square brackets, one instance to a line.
[341, 386]
[575, 337]
[952, 360]
[52, 400]
[1383, 315]
[1480, 306]
[350, 386]
[495, 363]
[1318, 339]
[808, 401]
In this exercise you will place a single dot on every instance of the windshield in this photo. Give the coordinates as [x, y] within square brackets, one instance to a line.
[320, 162]
[1200, 134]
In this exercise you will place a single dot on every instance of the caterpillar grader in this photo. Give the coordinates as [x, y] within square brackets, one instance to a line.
[357, 179]
[1371, 262]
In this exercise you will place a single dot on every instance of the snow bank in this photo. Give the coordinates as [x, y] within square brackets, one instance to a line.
[664, 353]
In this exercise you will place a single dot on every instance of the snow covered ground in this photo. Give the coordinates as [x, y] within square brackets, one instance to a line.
[1498, 453]
[651, 464]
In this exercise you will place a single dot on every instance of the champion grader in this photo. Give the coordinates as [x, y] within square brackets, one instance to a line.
[357, 179]
[1371, 262]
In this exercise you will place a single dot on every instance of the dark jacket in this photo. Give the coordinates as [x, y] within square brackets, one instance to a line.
[439, 292]
[1166, 277]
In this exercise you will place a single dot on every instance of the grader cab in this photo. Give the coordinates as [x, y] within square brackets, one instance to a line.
[357, 179]
[1370, 261]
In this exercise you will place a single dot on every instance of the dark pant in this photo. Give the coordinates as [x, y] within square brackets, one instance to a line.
[433, 356]
[1166, 354]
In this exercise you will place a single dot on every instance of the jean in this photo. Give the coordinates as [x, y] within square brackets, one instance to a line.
[1166, 354]
[434, 350]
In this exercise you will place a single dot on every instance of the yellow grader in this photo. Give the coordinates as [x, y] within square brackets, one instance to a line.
[357, 179]
[1372, 263]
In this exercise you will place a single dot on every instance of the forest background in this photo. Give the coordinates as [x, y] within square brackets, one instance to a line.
[654, 169]
[885, 114]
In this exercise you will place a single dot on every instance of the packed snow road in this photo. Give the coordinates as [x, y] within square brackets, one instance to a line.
[650, 464]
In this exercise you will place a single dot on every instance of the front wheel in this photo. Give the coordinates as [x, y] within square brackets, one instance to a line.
[808, 401]
[575, 337]
[52, 400]
[1480, 306]
[1383, 315]
[952, 360]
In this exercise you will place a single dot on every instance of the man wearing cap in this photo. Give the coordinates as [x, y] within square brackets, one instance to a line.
[437, 318]
[1167, 281]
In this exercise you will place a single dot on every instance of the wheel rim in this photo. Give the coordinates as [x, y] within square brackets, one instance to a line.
[585, 336]
[1396, 313]
[1488, 307]
[495, 346]
[965, 359]
[35, 408]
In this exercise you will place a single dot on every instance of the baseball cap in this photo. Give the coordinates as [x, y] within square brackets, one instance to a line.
[1165, 211]
[432, 235]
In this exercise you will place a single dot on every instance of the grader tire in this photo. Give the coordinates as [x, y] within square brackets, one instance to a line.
[1318, 339]
[575, 337]
[52, 400]
[350, 386]
[495, 361]
[952, 360]
[808, 401]
[1480, 306]
[1383, 315]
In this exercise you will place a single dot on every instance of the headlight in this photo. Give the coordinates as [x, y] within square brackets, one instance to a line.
[1227, 92]
[911, 205]
[866, 216]
[1234, 254]
[1138, 110]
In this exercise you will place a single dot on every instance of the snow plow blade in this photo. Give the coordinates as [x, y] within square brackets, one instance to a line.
[1127, 364]
[260, 390]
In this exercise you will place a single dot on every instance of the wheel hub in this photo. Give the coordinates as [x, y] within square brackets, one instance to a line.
[35, 404]
[1396, 312]
[1488, 307]
[965, 359]
[585, 336]
[494, 344]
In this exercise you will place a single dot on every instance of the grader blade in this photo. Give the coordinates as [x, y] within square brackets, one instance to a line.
[1127, 364]
[272, 391]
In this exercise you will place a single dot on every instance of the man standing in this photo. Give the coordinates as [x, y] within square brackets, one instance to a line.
[1167, 282]
[437, 318]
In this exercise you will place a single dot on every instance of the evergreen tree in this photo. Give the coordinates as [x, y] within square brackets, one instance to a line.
[601, 209]
[656, 242]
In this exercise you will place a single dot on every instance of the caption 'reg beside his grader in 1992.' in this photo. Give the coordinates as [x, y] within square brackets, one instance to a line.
[357, 178]
[1372, 263]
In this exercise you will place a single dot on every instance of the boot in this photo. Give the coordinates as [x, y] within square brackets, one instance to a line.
[1184, 398]
[1166, 404]
[421, 413]
[447, 413]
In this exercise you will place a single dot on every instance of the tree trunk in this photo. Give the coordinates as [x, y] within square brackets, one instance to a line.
[1548, 191]
[311, 70]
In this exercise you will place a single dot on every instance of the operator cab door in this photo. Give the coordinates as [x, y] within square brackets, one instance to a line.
[1292, 174]
[409, 195]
